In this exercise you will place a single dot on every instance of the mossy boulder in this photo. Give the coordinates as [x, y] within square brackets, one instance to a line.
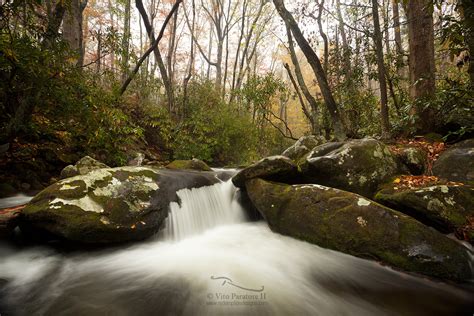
[108, 205]
[414, 159]
[446, 207]
[193, 164]
[278, 168]
[303, 146]
[456, 163]
[352, 224]
[85, 165]
[358, 166]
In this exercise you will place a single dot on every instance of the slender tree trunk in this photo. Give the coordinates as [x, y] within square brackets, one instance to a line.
[381, 72]
[156, 51]
[318, 70]
[126, 39]
[304, 88]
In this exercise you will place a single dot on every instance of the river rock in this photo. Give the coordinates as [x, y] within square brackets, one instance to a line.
[456, 163]
[193, 164]
[350, 223]
[85, 165]
[108, 205]
[8, 220]
[358, 166]
[415, 159]
[303, 146]
[272, 168]
[446, 207]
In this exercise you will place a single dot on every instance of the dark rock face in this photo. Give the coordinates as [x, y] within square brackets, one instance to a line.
[303, 146]
[85, 165]
[446, 207]
[347, 222]
[358, 166]
[193, 164]
[273, 168]
[456, 163]
[108, 205]
[8, 221]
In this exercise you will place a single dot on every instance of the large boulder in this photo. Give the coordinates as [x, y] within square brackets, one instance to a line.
[350, 223]
[277, 168]
[446, 207]
[85, 165]
[108, 205]
[456, 163]
[303, 146]
[193, 164]
[358, 166]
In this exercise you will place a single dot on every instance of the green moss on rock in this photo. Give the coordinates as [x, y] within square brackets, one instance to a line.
[194, 164]
[350, 223]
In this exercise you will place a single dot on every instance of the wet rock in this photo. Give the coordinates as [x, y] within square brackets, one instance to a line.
[446, 207]
[193, 164]
[8, 220]
[358, 166]
[456, 163]
[273, 168]
[350, 223]
[85, 165]
[108, 205]
[303, 146]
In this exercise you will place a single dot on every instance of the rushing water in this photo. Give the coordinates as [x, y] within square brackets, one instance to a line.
[210, 261]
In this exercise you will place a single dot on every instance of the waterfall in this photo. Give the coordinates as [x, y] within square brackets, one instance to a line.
[201, 209]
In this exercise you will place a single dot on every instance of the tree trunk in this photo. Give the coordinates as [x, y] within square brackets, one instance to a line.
[317, 68]
[467, 7]
[72, 28]
[126, 40]
[304, 88]
[421, 60]
[156, 51]
[381, 72]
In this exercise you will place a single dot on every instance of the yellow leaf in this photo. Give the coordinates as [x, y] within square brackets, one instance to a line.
[397, 180]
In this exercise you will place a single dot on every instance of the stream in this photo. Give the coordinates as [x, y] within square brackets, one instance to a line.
[211, 260]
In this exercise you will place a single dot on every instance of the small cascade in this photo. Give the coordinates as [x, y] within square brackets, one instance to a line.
[201, 209]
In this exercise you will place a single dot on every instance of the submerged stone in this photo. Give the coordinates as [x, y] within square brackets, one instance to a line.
[350, 223]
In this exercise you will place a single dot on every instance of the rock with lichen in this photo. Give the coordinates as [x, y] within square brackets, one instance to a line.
[352, 224]
[278, 168]
[358, 166]
[414, 159]
[107, 205]
[85, 165]
[193, 164]
[447, 207]
[303, 146]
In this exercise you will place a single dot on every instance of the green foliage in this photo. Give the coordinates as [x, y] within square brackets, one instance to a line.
[212, 130]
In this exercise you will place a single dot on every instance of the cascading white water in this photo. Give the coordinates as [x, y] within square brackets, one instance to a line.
[201, 209]
[211, 262]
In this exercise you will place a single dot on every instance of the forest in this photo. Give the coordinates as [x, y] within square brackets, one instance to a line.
[236, 157]
[227, 82]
